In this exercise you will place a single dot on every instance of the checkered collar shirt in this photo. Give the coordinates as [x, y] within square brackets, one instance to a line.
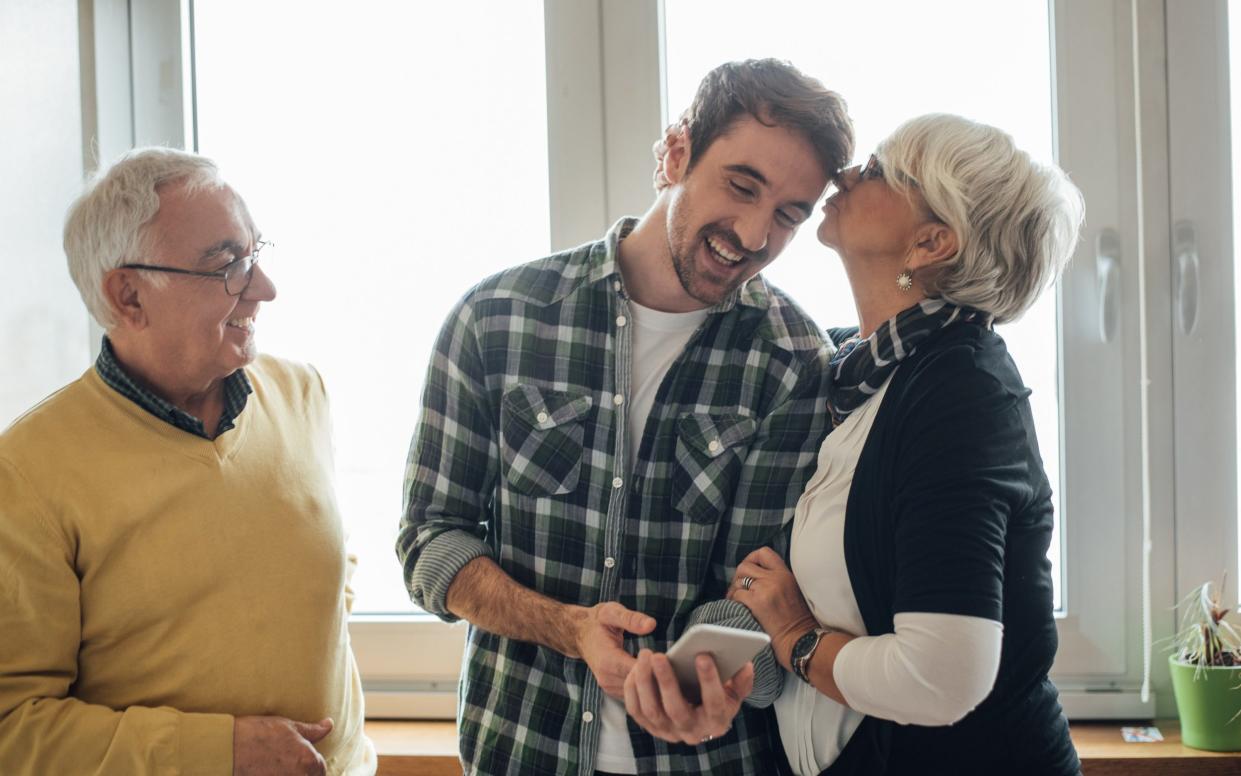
[236, 389]
[520, 455]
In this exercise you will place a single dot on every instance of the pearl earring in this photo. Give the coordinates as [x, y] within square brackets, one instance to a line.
[905, 281]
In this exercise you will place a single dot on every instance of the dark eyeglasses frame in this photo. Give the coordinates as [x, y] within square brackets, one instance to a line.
[243, 267]
[865, 172]
[871, 170]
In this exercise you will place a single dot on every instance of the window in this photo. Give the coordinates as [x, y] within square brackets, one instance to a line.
[1234, 48]
[1203, 48]
[534, 122]
[45, 323]
[1009, 65]
[1015, 94]
[405, 161]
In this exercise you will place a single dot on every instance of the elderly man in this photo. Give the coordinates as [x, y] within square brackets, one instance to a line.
[172, 572]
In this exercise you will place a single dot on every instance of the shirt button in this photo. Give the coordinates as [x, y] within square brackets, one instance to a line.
[713, 445]
[542, 417]
[618, 400]
[617, 482]
[616, 285]
[621, 320]
[587, 717]
[609, 562]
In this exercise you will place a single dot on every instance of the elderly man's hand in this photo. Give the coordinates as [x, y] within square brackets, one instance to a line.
[654, 699]
[275, 745]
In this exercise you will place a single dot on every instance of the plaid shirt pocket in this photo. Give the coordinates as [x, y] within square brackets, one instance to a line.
[541, 435]
[709, 454]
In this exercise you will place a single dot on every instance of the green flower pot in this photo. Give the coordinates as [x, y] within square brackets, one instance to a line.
[1206, 705]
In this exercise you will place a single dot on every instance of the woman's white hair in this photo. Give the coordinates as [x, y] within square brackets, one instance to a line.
[1016, 220]
[108, 225]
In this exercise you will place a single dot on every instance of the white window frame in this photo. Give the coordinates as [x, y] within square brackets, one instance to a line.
[1105, 440]
[1204, 384]
[1205, 357]
[1141, 105]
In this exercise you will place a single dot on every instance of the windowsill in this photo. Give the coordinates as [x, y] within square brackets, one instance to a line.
[430, 749]
[1103, 752]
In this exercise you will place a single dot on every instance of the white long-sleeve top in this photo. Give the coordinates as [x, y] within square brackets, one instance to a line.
[933, 670]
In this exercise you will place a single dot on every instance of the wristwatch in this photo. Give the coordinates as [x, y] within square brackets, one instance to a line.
[804, 649]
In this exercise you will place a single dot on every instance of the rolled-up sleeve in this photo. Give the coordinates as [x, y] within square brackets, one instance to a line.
[451, 470]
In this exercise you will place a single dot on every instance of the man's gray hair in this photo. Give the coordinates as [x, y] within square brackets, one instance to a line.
[1016, 220]
[108, 225]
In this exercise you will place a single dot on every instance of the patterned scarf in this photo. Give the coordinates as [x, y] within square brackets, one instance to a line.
[861, 366]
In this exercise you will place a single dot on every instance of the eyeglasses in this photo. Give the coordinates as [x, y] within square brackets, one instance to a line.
[871, 170]
[236, 274]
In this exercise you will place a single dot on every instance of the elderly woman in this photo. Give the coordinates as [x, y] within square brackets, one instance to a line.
[916, 620]
[173, 577]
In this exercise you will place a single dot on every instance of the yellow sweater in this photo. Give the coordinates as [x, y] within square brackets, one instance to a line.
[154, 583]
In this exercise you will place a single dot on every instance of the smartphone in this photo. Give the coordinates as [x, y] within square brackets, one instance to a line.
[730, 648]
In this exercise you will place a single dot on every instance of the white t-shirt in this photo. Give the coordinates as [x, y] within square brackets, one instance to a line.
[658, 340]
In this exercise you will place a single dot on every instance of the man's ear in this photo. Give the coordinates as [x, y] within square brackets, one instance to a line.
[124, 297]
[934, 243]
[672, 156]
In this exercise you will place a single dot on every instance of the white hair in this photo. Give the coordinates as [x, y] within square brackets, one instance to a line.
[1016, 220]
[108, 225]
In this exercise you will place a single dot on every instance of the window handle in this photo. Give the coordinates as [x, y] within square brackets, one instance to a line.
[1107, 271]
[1185, 285]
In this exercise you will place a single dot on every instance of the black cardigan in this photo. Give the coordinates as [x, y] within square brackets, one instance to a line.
[950, 511]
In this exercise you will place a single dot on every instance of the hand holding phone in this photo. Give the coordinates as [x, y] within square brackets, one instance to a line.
[730, 648]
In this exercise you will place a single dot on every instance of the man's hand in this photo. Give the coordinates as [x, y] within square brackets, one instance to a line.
[654, 700]
[275, 745]
[600, 642]
[487, 596]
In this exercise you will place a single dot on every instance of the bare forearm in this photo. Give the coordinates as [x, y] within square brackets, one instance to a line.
[485, 595]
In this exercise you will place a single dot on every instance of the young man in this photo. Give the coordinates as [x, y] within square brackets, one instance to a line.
[608, 431]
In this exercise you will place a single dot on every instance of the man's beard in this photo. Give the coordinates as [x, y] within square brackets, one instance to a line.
[683, 255]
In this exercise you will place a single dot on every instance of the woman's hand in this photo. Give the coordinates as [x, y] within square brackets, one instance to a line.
[774, 598]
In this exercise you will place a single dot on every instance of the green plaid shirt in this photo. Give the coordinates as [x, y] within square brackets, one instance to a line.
[520, 455]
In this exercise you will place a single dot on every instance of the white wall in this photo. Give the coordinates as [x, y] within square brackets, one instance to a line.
[43, 321]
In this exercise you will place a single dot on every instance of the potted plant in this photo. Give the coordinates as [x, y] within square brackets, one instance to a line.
[1206, 674]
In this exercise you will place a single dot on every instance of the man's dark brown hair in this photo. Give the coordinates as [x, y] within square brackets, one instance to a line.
[776, 94]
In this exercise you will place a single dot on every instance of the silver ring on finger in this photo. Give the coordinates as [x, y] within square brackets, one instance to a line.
[747, 582]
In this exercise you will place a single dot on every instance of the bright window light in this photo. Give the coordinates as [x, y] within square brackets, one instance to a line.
[396, 153]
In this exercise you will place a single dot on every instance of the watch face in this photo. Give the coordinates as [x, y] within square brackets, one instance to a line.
[804, 644]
